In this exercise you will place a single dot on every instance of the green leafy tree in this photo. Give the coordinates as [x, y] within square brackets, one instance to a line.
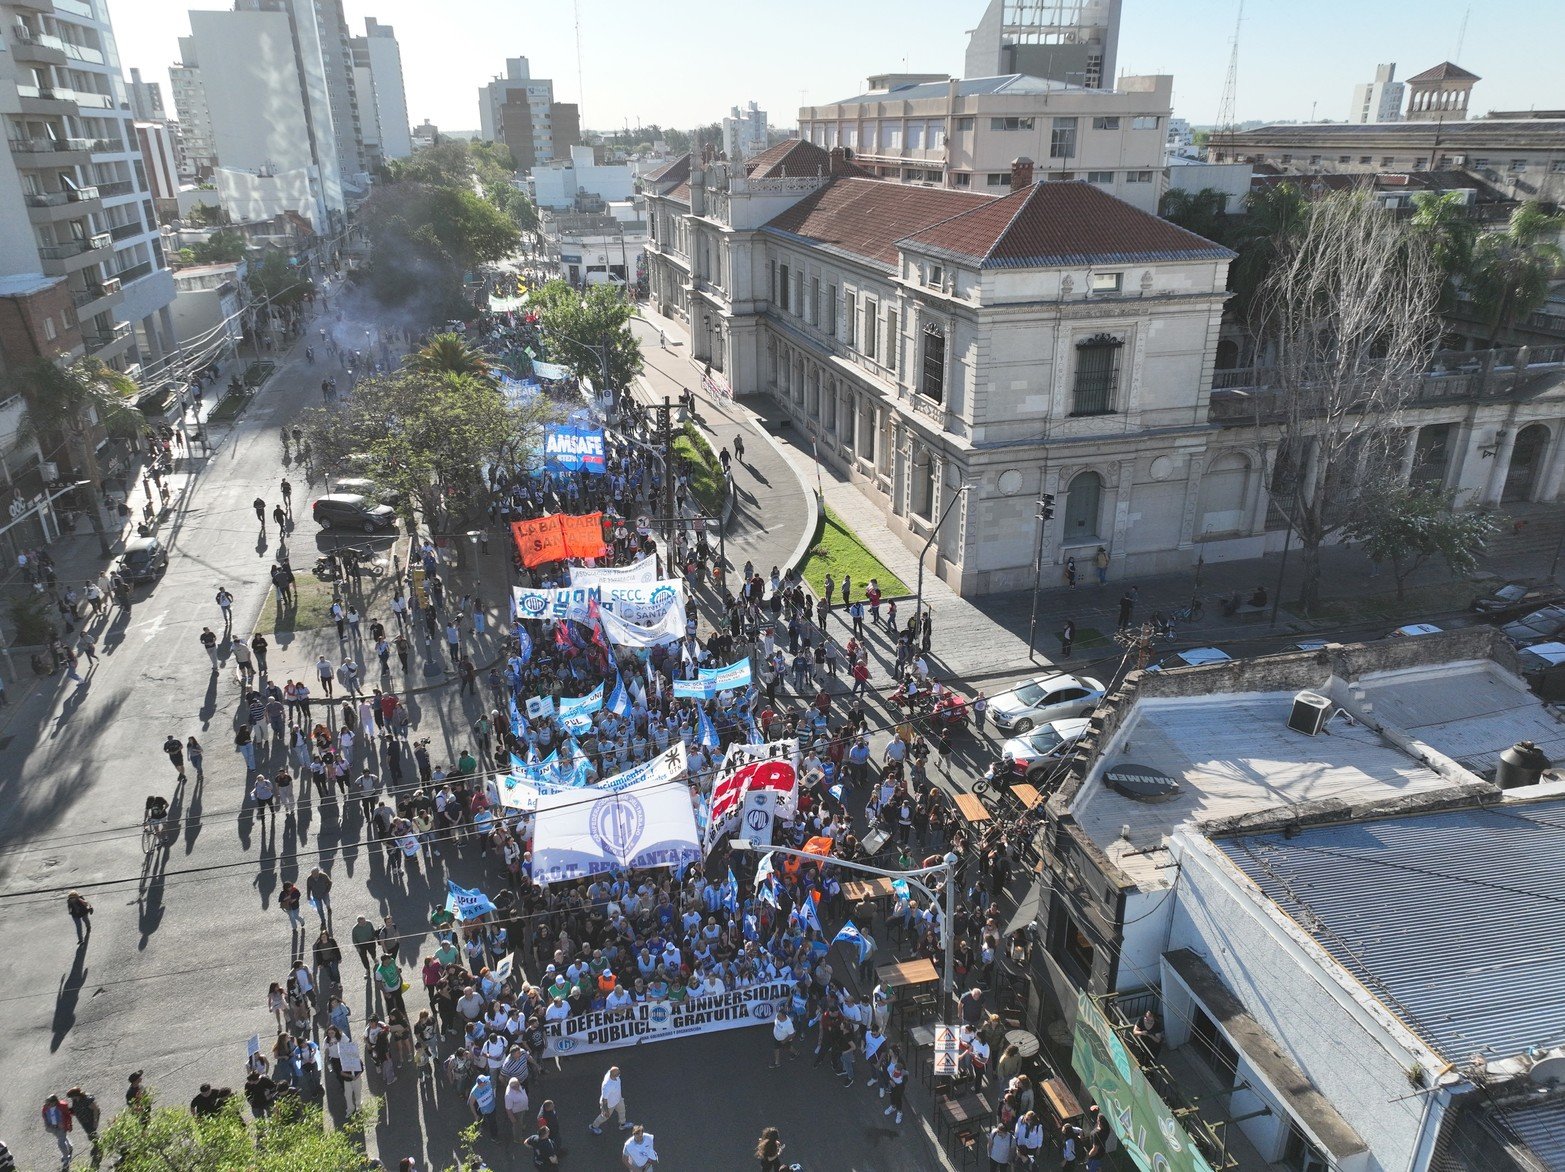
[1273, 220]
[62, 404]
[1406, 525]
[294, 1139]
[1512, 269]
[424, 239]
[428, 437]
[273, 277]
[1442, 217]
[589, 332]
[1203, 212]
[449, 354]
[223, 247]
[448, 163]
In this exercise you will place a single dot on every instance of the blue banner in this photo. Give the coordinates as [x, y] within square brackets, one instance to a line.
[693, 689]
[723, 679]
[576, 714]
[573, 449]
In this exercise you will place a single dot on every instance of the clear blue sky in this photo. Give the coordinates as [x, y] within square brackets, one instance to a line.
[685, 63]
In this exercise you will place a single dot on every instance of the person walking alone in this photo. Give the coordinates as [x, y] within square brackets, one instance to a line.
[611, 1101]
[1067, 637]
[81, 914]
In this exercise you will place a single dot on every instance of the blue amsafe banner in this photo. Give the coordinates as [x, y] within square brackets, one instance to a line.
[573, 449]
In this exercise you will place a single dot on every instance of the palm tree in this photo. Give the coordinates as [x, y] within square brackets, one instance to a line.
[63, 404]
[449, 354]
[1512, 269]
[1441, 218]
[1203, 212]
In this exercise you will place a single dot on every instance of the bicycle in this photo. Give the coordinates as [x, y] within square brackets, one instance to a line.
[1189, 614]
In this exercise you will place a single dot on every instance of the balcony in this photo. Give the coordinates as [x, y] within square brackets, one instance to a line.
[107, 146]
[50, 153]
[46, 100]
[74, 7]
[83, 53]
[52, 207]
[117, 188]
[119, 336]
[33, 5]
[67, 256]
[98, 295]
[135, 272]
[37, 48]
[126, 231]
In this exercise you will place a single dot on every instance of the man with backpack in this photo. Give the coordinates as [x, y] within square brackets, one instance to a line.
[57, 1119]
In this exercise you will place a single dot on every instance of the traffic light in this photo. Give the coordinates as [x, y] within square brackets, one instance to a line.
[1048, 506]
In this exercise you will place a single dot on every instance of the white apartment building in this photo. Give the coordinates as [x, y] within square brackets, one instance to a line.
[556, 184]
[235, 63]
[383, 104]
[1379, 100]
[73, 181]
[965, 133]
[744, 132]
[1048, 340]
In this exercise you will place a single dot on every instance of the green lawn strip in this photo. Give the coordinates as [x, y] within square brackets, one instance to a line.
[837, 550]
[228, 410]
[706, 473]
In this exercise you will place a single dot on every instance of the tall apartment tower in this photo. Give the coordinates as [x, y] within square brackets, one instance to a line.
[383, 104]
[1379, 100]
[744, 132]
[520, 111]
[292, 61]
[73, 190]
[1073, 41]
[146, 99]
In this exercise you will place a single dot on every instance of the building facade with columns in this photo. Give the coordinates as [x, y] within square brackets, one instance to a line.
[960, 354]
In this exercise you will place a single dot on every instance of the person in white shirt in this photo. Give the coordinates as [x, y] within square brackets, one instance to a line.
[713, 985]
[618, 1002]
[782, 1037]
[611, 1101]
[1029, 1137]
[639, 1151]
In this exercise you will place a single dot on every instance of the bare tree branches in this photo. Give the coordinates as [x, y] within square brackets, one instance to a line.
[1350, 314]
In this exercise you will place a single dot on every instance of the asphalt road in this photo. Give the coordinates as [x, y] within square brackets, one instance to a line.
[186, 940]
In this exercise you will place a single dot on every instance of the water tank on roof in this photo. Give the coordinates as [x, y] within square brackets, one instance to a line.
[1522, 764]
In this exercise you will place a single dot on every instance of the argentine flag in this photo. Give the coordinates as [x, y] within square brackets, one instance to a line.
[730, 892]
[619, 699]
[706, 731]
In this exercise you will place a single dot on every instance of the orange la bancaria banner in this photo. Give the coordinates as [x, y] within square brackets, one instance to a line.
[558, 536]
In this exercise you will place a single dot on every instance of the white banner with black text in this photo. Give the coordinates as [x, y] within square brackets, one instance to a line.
[658, 1021]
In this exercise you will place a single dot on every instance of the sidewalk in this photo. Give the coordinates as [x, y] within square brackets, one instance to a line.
[775, 511]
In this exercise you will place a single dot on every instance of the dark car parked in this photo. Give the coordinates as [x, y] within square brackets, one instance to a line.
[144, 560]
[351, 511]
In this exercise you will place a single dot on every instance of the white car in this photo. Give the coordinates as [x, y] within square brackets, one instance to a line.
[1034, 754]
[1046, 698]
[1414, 629]
[1191, 657]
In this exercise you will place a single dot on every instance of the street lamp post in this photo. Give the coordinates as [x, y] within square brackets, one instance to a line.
[914, 878]
[918, 601]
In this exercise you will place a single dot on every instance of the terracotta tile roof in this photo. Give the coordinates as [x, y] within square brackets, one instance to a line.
[681, 193]
[866, 217]
[793, 158]
[1060, 224]
[675, 172]
[1445, 71]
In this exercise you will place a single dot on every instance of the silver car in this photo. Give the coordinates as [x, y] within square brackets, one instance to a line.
[1042, 700]
[1035, 754]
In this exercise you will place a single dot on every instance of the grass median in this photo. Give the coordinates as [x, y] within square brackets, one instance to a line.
[837, 551]
[706, 473]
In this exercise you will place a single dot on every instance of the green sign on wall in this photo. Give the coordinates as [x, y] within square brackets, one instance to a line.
[1147, 1129]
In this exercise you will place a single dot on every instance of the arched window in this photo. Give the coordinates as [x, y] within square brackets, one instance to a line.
[1083, 503]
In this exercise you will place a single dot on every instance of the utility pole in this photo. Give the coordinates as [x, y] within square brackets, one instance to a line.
[665, 434]
[1045, 512]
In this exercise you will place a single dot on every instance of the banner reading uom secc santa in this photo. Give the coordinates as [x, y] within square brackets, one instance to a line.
[658, 1021]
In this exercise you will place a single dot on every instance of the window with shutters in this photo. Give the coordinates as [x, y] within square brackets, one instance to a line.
[932, 379]
[815, 301]
[871, 328]
[891, 339]
[783, 287]
[1097, 374]
[831, 310]
[850, 324]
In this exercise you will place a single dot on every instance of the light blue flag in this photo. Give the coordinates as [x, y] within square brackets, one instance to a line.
[808, 916]
[902, 889]
[466, 903]
[849, 934]
[706, 731]
[765, 869]
[731, 893]
[524, 644]
[767, 893]
[619, 699]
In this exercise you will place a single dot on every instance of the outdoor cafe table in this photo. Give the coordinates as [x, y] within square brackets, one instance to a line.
[1026, 794]
[974, 1108]
[908, 972]
[972, 808]
[856, 890]
[1026, 1043]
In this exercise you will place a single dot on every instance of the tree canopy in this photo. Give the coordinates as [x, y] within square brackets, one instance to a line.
[1406, 525]
[223, 247]
[427, 437]
[274, 278]
[588, 331]
[1512, 269]
[449, 354]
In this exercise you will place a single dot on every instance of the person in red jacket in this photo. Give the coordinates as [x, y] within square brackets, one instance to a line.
[57, 1118]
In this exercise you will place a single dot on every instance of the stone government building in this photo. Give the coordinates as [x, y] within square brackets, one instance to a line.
[1049, 340]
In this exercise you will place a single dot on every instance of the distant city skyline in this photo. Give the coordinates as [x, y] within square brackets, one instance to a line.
[640, 69]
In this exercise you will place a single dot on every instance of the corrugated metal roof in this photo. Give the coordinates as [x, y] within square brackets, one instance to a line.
[1452, 919]
[967, 87]
[1541, 1126]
